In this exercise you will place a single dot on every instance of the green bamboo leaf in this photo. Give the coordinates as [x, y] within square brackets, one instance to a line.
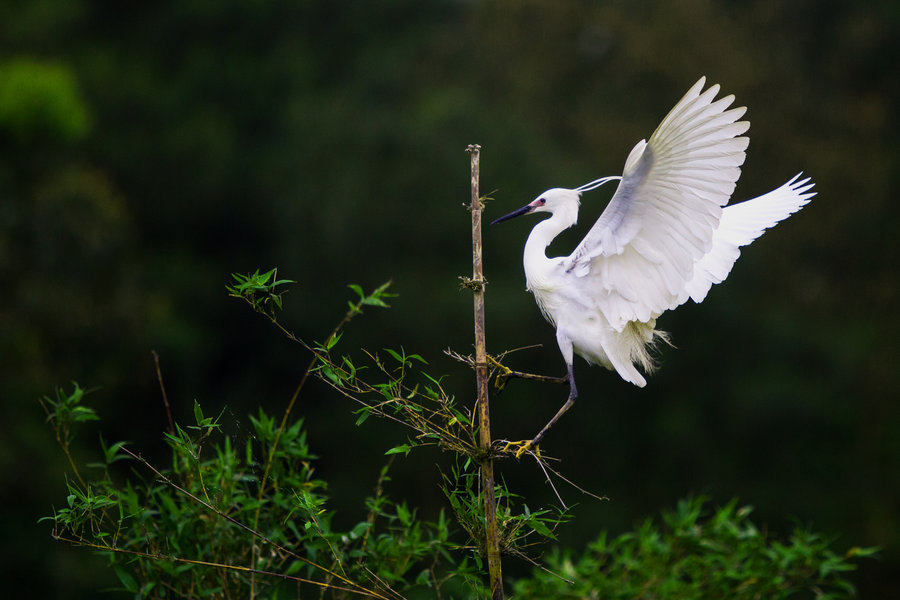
[358, 289]
[404, 449]
[262, 279]
[400, 359]
[127, 580]
[364, 414]
[331, 374]
[404, 514]
[81, 414]
[334, 339]
[542, 529]
[375, 302]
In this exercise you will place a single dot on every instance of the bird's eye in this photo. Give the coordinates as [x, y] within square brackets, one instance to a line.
[542, 200]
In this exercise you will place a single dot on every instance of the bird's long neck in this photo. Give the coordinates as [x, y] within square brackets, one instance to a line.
[535, 258]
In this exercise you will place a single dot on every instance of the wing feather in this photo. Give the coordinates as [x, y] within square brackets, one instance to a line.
[641, 253]
[740, 225]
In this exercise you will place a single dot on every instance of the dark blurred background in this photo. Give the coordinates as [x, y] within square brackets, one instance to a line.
[148, 150]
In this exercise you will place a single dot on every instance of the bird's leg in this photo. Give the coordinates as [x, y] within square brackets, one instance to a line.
[573, 393]
[504, 374]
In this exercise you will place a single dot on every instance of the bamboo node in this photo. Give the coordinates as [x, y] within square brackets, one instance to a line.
[476, 285]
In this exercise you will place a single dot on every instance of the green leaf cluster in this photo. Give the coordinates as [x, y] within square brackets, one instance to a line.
[397, 387]
[65, 410]
[520, 529]
[246, 516]
[259, 290]
[206, 527]
[695, 555]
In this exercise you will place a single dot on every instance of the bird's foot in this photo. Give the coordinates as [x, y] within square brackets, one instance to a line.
[523, 447]
[503, 374]
[496, 363]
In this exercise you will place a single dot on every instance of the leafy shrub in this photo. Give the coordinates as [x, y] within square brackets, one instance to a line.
[247, 518]
[226, 520]
[691, 556]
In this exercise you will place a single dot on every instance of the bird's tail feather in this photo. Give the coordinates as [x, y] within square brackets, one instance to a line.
[638, 341]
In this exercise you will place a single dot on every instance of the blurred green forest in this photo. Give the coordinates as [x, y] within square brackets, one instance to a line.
[148, 150]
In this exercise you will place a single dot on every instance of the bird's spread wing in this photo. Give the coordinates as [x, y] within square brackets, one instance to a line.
[640, 254]
[741, 224]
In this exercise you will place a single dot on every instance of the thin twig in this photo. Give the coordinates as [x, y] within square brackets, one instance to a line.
[63, 443]
[573, 484]
[550, 481]
[379, 491]
[505, 373]
[535, 563]
[190, 561]
[162, 389]
[283, 425]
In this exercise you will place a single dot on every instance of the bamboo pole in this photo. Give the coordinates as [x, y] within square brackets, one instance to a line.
[492, 535]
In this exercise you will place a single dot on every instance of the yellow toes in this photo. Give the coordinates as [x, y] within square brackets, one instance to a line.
[522, 447]
[510, 445]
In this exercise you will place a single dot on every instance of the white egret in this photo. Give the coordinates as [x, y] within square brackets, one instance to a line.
[664, 237]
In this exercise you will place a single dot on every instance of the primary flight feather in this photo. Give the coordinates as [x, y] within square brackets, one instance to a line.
[665, 236]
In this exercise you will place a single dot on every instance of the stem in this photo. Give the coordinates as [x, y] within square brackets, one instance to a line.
[63, 439]
[492, 534]
[162, 388]
[284, 420]
[355, 309]
[189, 561]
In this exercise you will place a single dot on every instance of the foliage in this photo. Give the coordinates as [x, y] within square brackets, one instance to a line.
[183, 531]
[180, 531]
[41, 98]
[63, 413]
[519, 529]
[236, 516]
[258, 290]
[228, 517]
[694, 556]
[394, 386]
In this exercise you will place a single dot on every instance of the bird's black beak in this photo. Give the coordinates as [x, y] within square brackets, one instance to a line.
[522, 211]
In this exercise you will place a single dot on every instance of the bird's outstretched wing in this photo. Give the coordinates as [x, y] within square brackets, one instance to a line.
[640, 255]
[741, 224]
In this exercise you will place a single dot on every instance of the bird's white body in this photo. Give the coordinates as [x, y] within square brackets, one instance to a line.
[566, 301]
[664, 237]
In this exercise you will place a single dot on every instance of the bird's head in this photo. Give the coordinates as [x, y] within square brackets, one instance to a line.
[553, 201]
